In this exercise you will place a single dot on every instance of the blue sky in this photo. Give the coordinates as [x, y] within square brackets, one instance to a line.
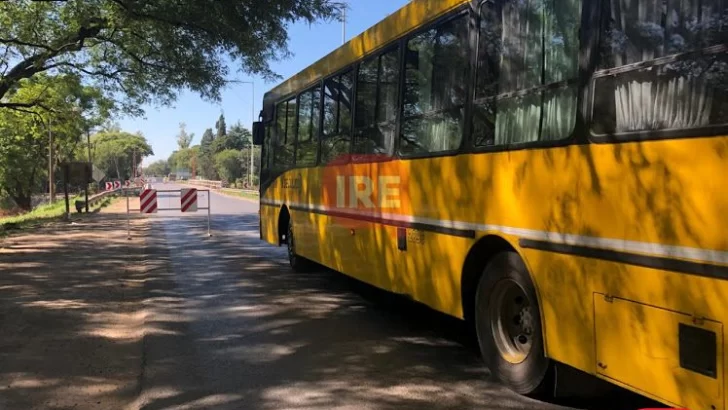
[307, 43]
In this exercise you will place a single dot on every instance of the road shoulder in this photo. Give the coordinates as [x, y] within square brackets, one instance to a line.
[70, 314]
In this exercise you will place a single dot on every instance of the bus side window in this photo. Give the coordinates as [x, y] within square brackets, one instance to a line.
[435, 83]
[284, 138]
[309, 112]
[376, 104]
[650, 93]
[336, 135]
[527, 72]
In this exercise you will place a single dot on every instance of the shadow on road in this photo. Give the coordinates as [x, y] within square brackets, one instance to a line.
[91, 320]
[236, 328]
[70, 317]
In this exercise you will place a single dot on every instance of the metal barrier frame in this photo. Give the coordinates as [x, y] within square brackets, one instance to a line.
[178, 191]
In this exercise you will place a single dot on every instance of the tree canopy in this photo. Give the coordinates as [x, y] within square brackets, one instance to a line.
[115, 152]
[220, 126]
[157, 168]
[183, 138]
[25, 132]
[146, 51]
[238, 137]
[228, 164]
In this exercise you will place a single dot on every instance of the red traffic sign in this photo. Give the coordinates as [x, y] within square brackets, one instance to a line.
[148, 201]
[109, 186]
[117, 184]
[189, 199]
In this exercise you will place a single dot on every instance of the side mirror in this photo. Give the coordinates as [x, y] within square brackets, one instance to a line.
[258, 133]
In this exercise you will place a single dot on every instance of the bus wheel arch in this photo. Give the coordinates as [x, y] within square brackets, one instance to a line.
[284, 218]
[491, 266]
[478, 257]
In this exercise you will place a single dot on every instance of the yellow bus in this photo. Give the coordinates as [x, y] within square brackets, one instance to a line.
[553, 172]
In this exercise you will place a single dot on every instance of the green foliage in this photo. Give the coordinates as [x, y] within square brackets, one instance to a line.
[24, 132]
[115, 151]
[47, 212]
[158, 168]
[194, 153]
[237, 138]
[206, 160]
[207, 139]
[220, 127]
[183, 138]
[146, 51]
[184, 159]
[43, 212]
[228, 164]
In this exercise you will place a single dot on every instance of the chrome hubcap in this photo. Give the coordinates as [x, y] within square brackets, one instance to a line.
[512, 321]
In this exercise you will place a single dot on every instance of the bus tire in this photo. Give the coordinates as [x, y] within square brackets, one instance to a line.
[508, 326]
[298, 263]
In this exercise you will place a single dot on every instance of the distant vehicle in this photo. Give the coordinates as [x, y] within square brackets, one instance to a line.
[172, 177]
[547, 171]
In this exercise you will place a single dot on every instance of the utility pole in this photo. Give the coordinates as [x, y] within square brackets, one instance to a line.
[133, 165]
[51, 184]
[90, 167]
[252, 147]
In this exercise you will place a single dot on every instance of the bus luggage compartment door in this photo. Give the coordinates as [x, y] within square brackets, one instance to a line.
[661, 353]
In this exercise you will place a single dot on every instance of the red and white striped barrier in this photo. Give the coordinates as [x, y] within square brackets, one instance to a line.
[148, 201]
[188, 199]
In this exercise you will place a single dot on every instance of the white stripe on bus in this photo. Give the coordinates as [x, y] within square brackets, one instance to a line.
[645, 248]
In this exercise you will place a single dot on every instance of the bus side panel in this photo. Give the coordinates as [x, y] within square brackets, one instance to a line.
[432, 269]
[269, 223]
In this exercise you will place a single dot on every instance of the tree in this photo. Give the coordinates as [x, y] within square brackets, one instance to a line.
[117, 151]
[245, 161]
[194, 159]
[228, 164]
[179, 160]
[157, 168]
[23, 157]
[183, 138]
[207, 139]
[237, 138]
[240, 136]
[24, 143]
[206, 158]
[184, 160]
[146, 51]
[220, 127]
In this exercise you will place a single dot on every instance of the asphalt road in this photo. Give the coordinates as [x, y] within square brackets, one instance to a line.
[233, 327]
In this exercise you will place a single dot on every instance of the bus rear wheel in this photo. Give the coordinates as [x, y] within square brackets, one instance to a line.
[508, 326]
[298, 263]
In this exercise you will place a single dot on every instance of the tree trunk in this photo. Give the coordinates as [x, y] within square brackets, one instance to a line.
[23, 199]
[24, 202]
[116, 165]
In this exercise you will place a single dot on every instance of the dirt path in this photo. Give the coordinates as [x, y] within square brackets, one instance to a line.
[71, 317]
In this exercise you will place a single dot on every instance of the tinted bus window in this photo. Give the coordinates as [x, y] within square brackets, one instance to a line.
[435, 87]
[683, 79]
[284, 136]
[376, 104]
[308, 117]
[337, 117]
[528, 59]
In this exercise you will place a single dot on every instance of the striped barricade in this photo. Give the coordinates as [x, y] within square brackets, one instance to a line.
[148, 201]
[188, 199]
